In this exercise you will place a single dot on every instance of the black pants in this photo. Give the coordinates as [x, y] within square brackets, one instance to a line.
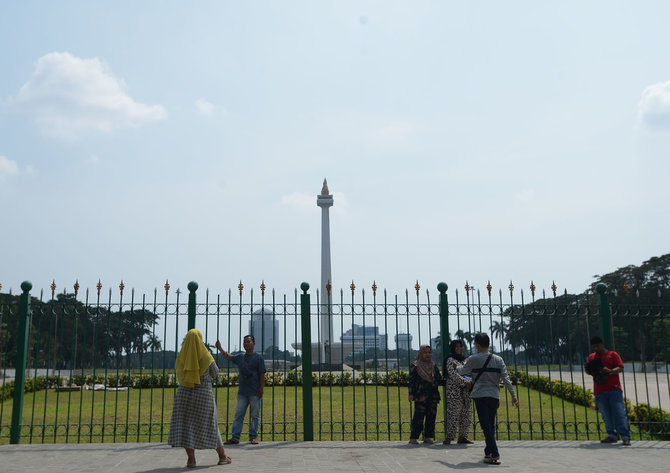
[487, 408]
[421, 410]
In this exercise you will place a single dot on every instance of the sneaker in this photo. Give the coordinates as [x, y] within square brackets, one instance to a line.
[253, 441]
[414, 441]
[626, 442]
[232, 441]
[609, 439]
[429, 441]
[464, 440]
[492, 460]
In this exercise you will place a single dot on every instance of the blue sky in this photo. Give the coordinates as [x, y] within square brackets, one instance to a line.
[498, 141]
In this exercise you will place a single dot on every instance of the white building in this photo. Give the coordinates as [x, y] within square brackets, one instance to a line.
[265, 329]
[403, 341]
[368, 337]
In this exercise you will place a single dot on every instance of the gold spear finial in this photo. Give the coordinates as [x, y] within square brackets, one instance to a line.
[352, 286]
[489, 287]
[554, 287]
[76, 287]
[121, 286]
[532, 288]
[98, 286]
[511, 287]
[328, 287]
[53, 288]
[166, 287]
[417, 287]
[374, 288]
[240, 286]
[262, 287]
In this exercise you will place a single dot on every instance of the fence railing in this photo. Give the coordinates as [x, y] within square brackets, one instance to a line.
[99, 367]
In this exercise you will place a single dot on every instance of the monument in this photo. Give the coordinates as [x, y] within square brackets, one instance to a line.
[325, 201]
[326, 353]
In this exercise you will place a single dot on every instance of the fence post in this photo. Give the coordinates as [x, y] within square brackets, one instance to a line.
[21, 356]
[605, 319]
[192, 287]
[306, 327]
[444, 337]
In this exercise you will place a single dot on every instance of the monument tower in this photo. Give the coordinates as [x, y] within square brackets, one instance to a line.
[325, 201]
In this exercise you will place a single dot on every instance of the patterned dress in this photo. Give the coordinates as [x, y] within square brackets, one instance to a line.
[194, 423]
[459, 404]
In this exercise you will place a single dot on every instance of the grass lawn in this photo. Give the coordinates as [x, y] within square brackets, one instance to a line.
[370, 412]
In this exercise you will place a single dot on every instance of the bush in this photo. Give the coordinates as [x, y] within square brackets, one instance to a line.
[651, 420]
[562, 389]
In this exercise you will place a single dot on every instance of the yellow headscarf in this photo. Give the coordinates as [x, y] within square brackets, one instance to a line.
[193, 359]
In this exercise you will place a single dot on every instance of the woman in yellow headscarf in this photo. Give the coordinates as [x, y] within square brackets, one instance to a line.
[194, 423]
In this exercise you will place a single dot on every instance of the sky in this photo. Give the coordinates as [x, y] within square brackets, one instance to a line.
[462, 141]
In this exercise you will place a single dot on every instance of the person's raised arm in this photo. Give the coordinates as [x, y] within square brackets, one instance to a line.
[466, 369]
[225, 354]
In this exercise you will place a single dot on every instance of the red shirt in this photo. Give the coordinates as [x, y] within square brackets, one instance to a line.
[611, 359]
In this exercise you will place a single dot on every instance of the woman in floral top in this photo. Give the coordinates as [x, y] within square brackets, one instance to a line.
[459, 404]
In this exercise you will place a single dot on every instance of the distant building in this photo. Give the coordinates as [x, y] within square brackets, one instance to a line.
[368, 337]
[265, 329]
[403, 341]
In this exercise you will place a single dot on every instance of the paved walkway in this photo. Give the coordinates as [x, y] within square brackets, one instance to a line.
[340, 457]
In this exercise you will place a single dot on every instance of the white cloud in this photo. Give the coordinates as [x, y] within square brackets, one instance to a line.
[654, 106]
[204, 107]
[393, 134]
[526, 195]
[300, 201]
[8, 167]
[68, 96]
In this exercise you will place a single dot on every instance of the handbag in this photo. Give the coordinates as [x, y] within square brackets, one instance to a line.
[482, 370]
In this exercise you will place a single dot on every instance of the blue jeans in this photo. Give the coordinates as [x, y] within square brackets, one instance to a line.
[254, 405]
[610, 405]
[487, 408]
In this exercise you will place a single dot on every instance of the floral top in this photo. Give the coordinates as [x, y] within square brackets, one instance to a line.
[455, 382]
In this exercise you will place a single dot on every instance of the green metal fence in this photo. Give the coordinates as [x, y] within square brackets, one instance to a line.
[99, 366]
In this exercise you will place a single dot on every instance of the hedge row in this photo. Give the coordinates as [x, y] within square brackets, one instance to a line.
[562, 389]
[169, 380]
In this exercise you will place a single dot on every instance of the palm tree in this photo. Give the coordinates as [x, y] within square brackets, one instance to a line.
[498, 329]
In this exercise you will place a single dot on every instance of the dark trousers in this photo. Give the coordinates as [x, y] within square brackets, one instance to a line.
[421, 410]
[487, 407]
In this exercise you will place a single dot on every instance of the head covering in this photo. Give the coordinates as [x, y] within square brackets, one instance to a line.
[452, 353]
[193, 359]
[426, 369]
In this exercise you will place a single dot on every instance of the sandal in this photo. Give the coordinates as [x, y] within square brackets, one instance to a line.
[225, 461]
[232, 441]
[253, 442]
[492, 460]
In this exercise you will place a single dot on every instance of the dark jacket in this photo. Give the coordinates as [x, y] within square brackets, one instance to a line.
[422, 390]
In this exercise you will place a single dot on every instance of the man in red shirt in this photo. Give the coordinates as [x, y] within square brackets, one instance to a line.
[609, 394]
